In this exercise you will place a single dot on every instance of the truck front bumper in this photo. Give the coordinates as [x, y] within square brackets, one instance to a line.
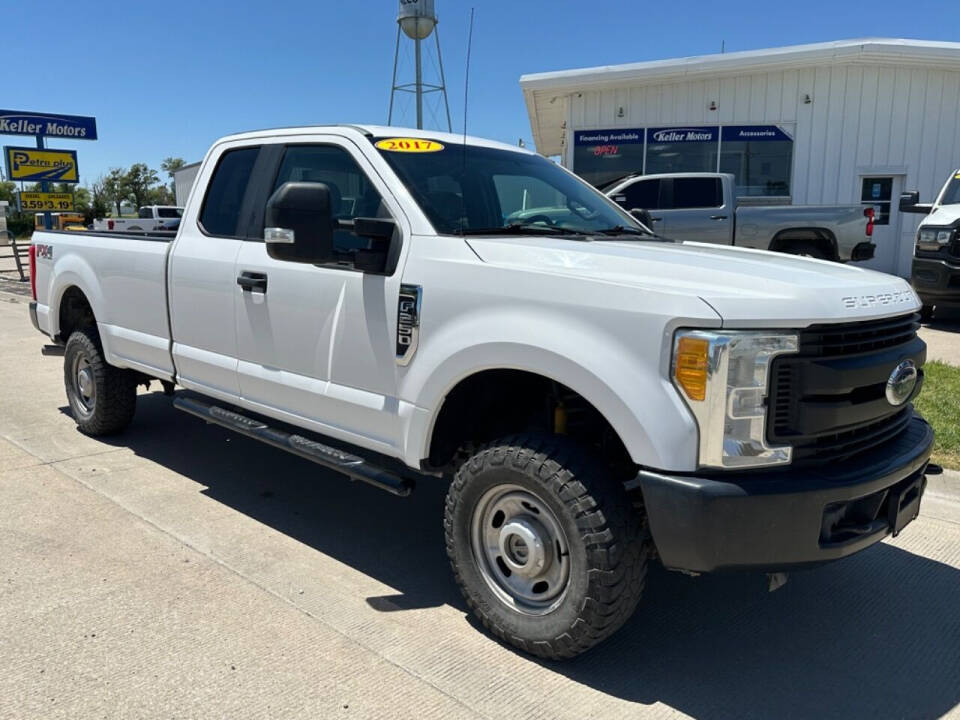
[784, 519]
[937, 282]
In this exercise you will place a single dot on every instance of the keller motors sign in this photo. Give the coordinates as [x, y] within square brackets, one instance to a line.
[74, 127]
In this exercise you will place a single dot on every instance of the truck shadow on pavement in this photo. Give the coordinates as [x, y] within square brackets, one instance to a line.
[875, 636]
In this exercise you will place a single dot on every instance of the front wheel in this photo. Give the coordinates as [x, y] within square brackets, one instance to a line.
[102, 397]
[546, 546]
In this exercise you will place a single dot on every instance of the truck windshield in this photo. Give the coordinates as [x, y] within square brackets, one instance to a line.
[479, 190]
[169, 212]
[951, 194]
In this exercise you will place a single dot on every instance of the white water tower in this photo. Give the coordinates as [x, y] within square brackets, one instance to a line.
[417, 19]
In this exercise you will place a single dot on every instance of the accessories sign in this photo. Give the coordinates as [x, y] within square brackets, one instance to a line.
[35, 165]
[74, 127]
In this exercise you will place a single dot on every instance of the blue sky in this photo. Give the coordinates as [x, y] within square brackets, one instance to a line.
[166, 79]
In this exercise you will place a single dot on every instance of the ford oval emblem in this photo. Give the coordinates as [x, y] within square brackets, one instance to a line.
[901, 382]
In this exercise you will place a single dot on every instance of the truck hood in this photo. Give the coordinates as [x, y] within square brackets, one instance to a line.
[942, 216]
[747, 288]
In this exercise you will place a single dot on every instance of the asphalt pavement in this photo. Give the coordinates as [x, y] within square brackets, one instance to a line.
[180, 571]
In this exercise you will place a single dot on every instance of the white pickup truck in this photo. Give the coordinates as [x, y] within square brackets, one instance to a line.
[704, 207]
[600, 397]
[150, 218]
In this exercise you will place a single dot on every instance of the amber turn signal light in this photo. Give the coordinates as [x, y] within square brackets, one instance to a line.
[690, 366]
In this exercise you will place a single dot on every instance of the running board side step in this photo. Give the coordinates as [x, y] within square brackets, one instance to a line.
[354, 467]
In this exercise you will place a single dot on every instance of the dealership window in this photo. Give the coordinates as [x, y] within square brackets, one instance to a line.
[682, 149]
[761, 158]
[600, 156]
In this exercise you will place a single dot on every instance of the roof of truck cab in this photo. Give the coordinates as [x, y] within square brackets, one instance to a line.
[378, 131]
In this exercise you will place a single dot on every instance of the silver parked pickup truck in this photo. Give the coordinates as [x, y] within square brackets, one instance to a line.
[704, 208]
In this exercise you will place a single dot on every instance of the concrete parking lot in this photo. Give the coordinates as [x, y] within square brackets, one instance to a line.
[181, 571]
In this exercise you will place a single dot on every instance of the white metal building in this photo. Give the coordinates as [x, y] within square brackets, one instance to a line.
[841, 122]
[183, 180]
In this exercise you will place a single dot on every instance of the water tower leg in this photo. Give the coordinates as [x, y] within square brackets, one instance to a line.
[419, 86]
[443, 81]
[393, 86]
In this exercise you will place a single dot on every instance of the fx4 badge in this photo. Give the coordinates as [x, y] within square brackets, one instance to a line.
[408, 322]
[44, 251]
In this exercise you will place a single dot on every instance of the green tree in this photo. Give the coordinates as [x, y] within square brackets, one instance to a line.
[170, 165]
[99, 200]
[7, 191]
[138, 181]
[159, 195]
[115, 191]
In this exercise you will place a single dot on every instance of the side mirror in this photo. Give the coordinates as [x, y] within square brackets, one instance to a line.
[299, 223]
[644, 217]
[910, 203]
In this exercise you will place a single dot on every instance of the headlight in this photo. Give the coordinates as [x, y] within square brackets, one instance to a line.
[933, 238]
[723, 376]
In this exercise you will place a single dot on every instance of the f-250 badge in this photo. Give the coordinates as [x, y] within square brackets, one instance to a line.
[408, 322]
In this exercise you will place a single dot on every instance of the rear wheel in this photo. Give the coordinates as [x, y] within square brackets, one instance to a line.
[102, 397]
[805, 248]
[546, 546]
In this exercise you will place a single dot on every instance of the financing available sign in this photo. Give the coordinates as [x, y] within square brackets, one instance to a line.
[73, 127]
[33, 165]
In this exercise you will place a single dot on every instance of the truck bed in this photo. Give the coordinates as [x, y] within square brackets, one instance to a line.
[126, 277]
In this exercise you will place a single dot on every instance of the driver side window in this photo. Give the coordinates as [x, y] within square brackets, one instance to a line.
[352, 195]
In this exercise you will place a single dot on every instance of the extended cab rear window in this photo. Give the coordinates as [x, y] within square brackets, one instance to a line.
[221, 207]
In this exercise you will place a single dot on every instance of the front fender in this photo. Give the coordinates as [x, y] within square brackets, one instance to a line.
[621, 376]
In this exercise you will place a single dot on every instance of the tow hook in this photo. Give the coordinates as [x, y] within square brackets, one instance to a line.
[933, 469]
[776, 580]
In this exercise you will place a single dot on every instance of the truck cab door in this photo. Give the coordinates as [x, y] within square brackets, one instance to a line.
[316, 343]
[695, 208]
[201, 279]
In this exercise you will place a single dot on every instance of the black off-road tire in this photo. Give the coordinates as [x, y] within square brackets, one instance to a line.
[114, 399]
[608, 541]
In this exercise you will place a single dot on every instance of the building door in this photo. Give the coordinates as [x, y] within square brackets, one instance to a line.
[879, 192]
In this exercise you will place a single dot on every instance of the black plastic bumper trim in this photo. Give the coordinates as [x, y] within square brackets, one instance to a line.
[772, 520]
[33, 315]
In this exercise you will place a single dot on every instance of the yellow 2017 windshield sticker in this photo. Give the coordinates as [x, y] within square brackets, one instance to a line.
[410, 145]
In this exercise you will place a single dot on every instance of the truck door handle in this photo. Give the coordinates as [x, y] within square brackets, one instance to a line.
[252, 281]
[656, 219]
[718, 217]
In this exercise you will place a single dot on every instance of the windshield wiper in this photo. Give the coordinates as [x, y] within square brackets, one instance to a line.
[623, 230]
[522, 229]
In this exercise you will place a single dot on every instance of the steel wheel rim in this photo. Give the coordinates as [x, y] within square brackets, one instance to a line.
[84, 385]
[521, 549]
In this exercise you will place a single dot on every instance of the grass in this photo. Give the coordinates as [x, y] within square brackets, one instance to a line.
[939, 403]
